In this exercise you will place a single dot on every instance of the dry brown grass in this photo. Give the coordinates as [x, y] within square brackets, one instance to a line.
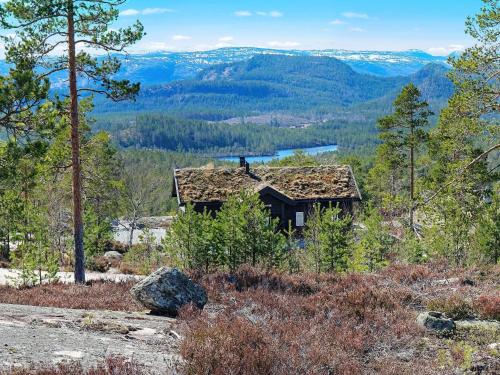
[277, 324]
[93, 296]
[111, 366]
[488, 306]
[271, 323]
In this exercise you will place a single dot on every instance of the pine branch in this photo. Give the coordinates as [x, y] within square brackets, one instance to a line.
[458, 175]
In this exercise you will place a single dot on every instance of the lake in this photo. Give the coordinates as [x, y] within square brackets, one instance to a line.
[280, 154]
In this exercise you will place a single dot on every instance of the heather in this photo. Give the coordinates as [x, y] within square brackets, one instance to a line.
[273, 323]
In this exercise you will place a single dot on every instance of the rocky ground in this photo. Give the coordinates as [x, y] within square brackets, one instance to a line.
[42, 336]
[11, 277]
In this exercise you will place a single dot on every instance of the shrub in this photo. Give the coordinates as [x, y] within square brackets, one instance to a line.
[289, 324]
[94, 295]
[101, 263]
[488, 306]
[111, 366]
[229, 344]
[142, 259]
[454, 306]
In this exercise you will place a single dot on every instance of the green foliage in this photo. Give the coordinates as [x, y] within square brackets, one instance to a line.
[463, 219]
[375, 242]
[34, 257]
[488, 233]
[241, 232]
[41, 26]
[191, 243]
[146, 256]
[147, 177]
[328, 239]
[160, 131]
[402, 134]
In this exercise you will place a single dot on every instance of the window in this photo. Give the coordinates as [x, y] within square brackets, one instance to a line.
[299, 219]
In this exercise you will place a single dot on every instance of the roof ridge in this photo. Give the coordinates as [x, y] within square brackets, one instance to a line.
[264, 166]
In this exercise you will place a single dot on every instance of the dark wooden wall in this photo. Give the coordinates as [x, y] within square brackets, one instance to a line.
[286, 212]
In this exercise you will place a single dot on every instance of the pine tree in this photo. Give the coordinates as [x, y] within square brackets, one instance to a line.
[403, 132]
[335, 239]
[465, 145]
[42, 28]
[375, 241]
[312, 237]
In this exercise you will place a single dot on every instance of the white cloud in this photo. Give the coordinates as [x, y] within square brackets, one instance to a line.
[356, 15]
[223, 45]
[178, 38]
[337, 22]
[356, 29]
[151, 46]
[444, 51]
[149, 11]
[226, 39]
[242, 13]
[286, 44]
[129, 12]
[247, 13]
[145, 12]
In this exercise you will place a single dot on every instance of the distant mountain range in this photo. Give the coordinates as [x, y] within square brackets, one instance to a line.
[282, 84]
[163, 67]
[319, 99]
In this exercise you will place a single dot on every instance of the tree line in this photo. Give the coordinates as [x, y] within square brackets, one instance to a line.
[429, 192]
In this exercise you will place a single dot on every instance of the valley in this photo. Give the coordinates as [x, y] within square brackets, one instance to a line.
[265, 103]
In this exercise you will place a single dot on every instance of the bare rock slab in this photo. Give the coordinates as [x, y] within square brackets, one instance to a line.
[166, 290]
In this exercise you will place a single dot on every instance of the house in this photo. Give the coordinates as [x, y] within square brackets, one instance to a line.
[288, 192]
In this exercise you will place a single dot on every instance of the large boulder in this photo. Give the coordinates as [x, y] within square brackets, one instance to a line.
[166, 290]
[436, 321]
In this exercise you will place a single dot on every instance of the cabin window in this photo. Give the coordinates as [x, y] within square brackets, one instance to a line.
[299, 219]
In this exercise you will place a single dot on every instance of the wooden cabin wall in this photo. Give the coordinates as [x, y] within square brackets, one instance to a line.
[285, 212]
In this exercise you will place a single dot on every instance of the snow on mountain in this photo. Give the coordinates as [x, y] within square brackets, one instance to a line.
[163, 67]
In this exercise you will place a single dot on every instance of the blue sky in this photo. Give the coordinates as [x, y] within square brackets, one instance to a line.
[435, 26]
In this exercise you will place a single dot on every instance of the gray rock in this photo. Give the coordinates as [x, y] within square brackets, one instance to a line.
[436, 321]
[166, 290]
[113, 255]
[479, 325]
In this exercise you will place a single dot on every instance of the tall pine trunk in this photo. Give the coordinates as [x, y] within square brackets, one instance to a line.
[412, 176]
[75, 152]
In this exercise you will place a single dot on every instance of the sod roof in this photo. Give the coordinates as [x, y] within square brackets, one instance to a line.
[296, 183]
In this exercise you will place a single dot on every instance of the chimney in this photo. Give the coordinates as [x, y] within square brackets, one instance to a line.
[242, 162]
[247, 167]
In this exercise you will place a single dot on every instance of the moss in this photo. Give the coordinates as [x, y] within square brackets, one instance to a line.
[217, 184]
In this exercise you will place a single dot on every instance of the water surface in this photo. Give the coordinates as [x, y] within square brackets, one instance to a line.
[280, 154]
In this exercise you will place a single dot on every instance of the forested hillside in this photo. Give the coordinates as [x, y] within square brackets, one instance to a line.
[298, 102]
[160, 131]
[276, 83]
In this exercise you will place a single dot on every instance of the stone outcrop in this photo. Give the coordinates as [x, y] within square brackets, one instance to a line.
[166, 290]
[436, 321]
